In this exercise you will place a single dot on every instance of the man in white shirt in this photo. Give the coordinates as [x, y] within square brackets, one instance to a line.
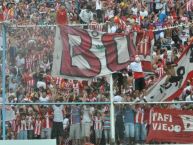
[86, 123]
[86, 15]
[57, 131]
[44, 98]
[143, 12]
[118, 98]
[158, 5]
[99, 10]
[134, 9]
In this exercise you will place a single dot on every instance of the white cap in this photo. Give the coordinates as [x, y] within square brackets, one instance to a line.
[137, 58]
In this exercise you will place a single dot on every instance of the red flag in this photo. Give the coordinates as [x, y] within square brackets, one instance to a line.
[171, 125]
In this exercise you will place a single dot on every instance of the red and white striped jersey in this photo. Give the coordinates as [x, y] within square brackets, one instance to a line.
[189, 5]
[102, 89]
[160, 72]
[150, 115]
[91, 99]
[98, 124]
[47, 122]
[106, 108]
[13, 125]
[39, 56]
[23, 125]
[31, 82]
[170, 3]
[30, 123]
[68, 86]
[48, 78]
[122, 25]
[139, 116]
[59, 80]
[94, 25]
[144, 39]
[57, 6]
[76, 89]
[28, 63]
[37, 127]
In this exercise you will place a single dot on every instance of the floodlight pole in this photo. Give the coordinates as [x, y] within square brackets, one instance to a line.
[112, 112]
[4, 80]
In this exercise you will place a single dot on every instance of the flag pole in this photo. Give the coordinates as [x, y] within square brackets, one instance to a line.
[112, 116]
[4, 81]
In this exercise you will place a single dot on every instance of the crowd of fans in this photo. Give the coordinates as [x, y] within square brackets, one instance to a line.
[30, 57]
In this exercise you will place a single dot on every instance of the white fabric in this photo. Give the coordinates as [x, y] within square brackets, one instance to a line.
[109, 14]
[113, 29]
[46, 99]
[98, 5]
[189, 98]
[136, 67]
[189, 88]
[117, 98]
[158, 4]
[86, 116]
[41, 84]
[86, 17]
[134, 11]
[144, 13]
[65, 123]
[58, 113]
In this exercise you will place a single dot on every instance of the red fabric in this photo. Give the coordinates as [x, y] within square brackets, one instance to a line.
[37, 127]
[61, 17]
[139, 116]
[144, 39]
[171, 125]
[47, 123]
[1, 17]
[138, 75]
[136, 28]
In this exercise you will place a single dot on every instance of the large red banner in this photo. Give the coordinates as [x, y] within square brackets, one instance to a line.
[171, 125]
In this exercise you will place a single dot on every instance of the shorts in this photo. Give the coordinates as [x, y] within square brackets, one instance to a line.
[85, 128]
[57, 129]
[98, 133]
[129, 130]
[75, 131]
[139, 84]
[140, 132]
[107, 133]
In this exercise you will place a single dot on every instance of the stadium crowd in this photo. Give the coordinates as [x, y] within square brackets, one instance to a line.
[30, 58]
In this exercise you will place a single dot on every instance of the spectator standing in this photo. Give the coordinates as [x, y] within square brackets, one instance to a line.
[22, 128]
[138, 74]
[107, 127]
[75, 130]
[119, 128]
[98, 127]
[140, 128]
[129, 114]
[57, 131]
[30, 126]
[86, 15]
[86, 123]
[99, 10]
[37, 127]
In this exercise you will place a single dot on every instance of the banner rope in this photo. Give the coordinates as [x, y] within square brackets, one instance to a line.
[76, 25]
